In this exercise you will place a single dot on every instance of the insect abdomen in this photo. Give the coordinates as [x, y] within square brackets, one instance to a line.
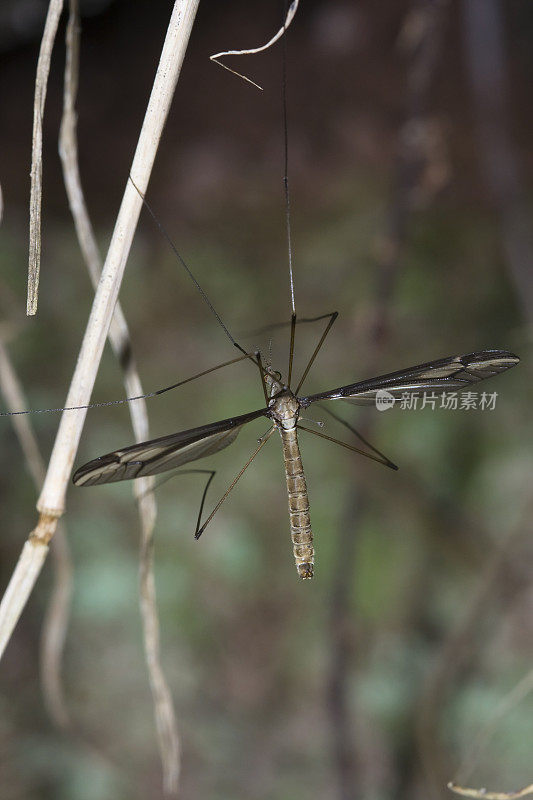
[301, 533]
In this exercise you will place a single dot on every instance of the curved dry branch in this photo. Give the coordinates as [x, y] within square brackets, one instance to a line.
[483, 794]
[119, 338]
[291, 11]
[52, 499]
[56, 619]
[41, 80]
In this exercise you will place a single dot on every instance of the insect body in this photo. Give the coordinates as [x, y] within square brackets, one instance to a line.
[283, 409]
[284, 412]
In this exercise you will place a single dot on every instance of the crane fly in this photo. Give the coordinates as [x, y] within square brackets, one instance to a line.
[283, 405]
[283, 410]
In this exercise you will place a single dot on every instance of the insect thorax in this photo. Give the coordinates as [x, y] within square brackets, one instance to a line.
[284, 410]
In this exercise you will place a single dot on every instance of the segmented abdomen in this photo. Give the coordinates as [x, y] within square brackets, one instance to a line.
[301, 533]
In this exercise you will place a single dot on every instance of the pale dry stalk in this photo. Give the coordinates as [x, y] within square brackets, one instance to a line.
[52, 499]
[56, 618]
[119, 338]
[41, 81]
[483, 794]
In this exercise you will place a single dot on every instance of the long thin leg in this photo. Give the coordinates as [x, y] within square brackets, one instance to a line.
[204, 495]
[381, 459]
[177, 473]
[251, 356]
[264, 440]
[332, 317]
[352, 429]
[275, 325]
[254, 357]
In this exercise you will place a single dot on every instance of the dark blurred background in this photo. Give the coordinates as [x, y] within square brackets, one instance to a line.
[410, 129]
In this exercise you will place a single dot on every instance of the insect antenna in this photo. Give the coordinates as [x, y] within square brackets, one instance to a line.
[286, 157]
[256, 358]
[291, 349]
[186, 267]
[286, 187]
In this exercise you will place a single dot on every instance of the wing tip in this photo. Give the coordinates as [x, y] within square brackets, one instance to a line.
[82, 476]
[506, 358]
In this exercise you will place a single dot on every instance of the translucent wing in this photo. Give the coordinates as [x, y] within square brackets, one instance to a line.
[443, 375]
[160, 455]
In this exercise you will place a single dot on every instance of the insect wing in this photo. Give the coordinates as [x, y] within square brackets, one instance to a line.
[443, 375]
[165, 453]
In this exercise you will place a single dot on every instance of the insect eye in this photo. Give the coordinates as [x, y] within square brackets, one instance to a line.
[277, 376]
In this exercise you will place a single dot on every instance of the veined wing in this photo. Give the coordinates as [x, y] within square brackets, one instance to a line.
[443, 375]
[160, 455]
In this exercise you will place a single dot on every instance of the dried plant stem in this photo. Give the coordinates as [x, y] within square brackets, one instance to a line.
[167, 732]
[56, 619]
[291, 11]
[15, 401]
[483, 794]
[55, 628]
[41, 81]
[120, 341]
[119, 336]
[51, 501]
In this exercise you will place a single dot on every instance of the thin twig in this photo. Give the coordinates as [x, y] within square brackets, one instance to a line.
[56, 618]
[54, 630]
[14, 398]
[291, 11]
[41, 81]
[52, 499]
[169, 744]
[119, 338]
[483, 794]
